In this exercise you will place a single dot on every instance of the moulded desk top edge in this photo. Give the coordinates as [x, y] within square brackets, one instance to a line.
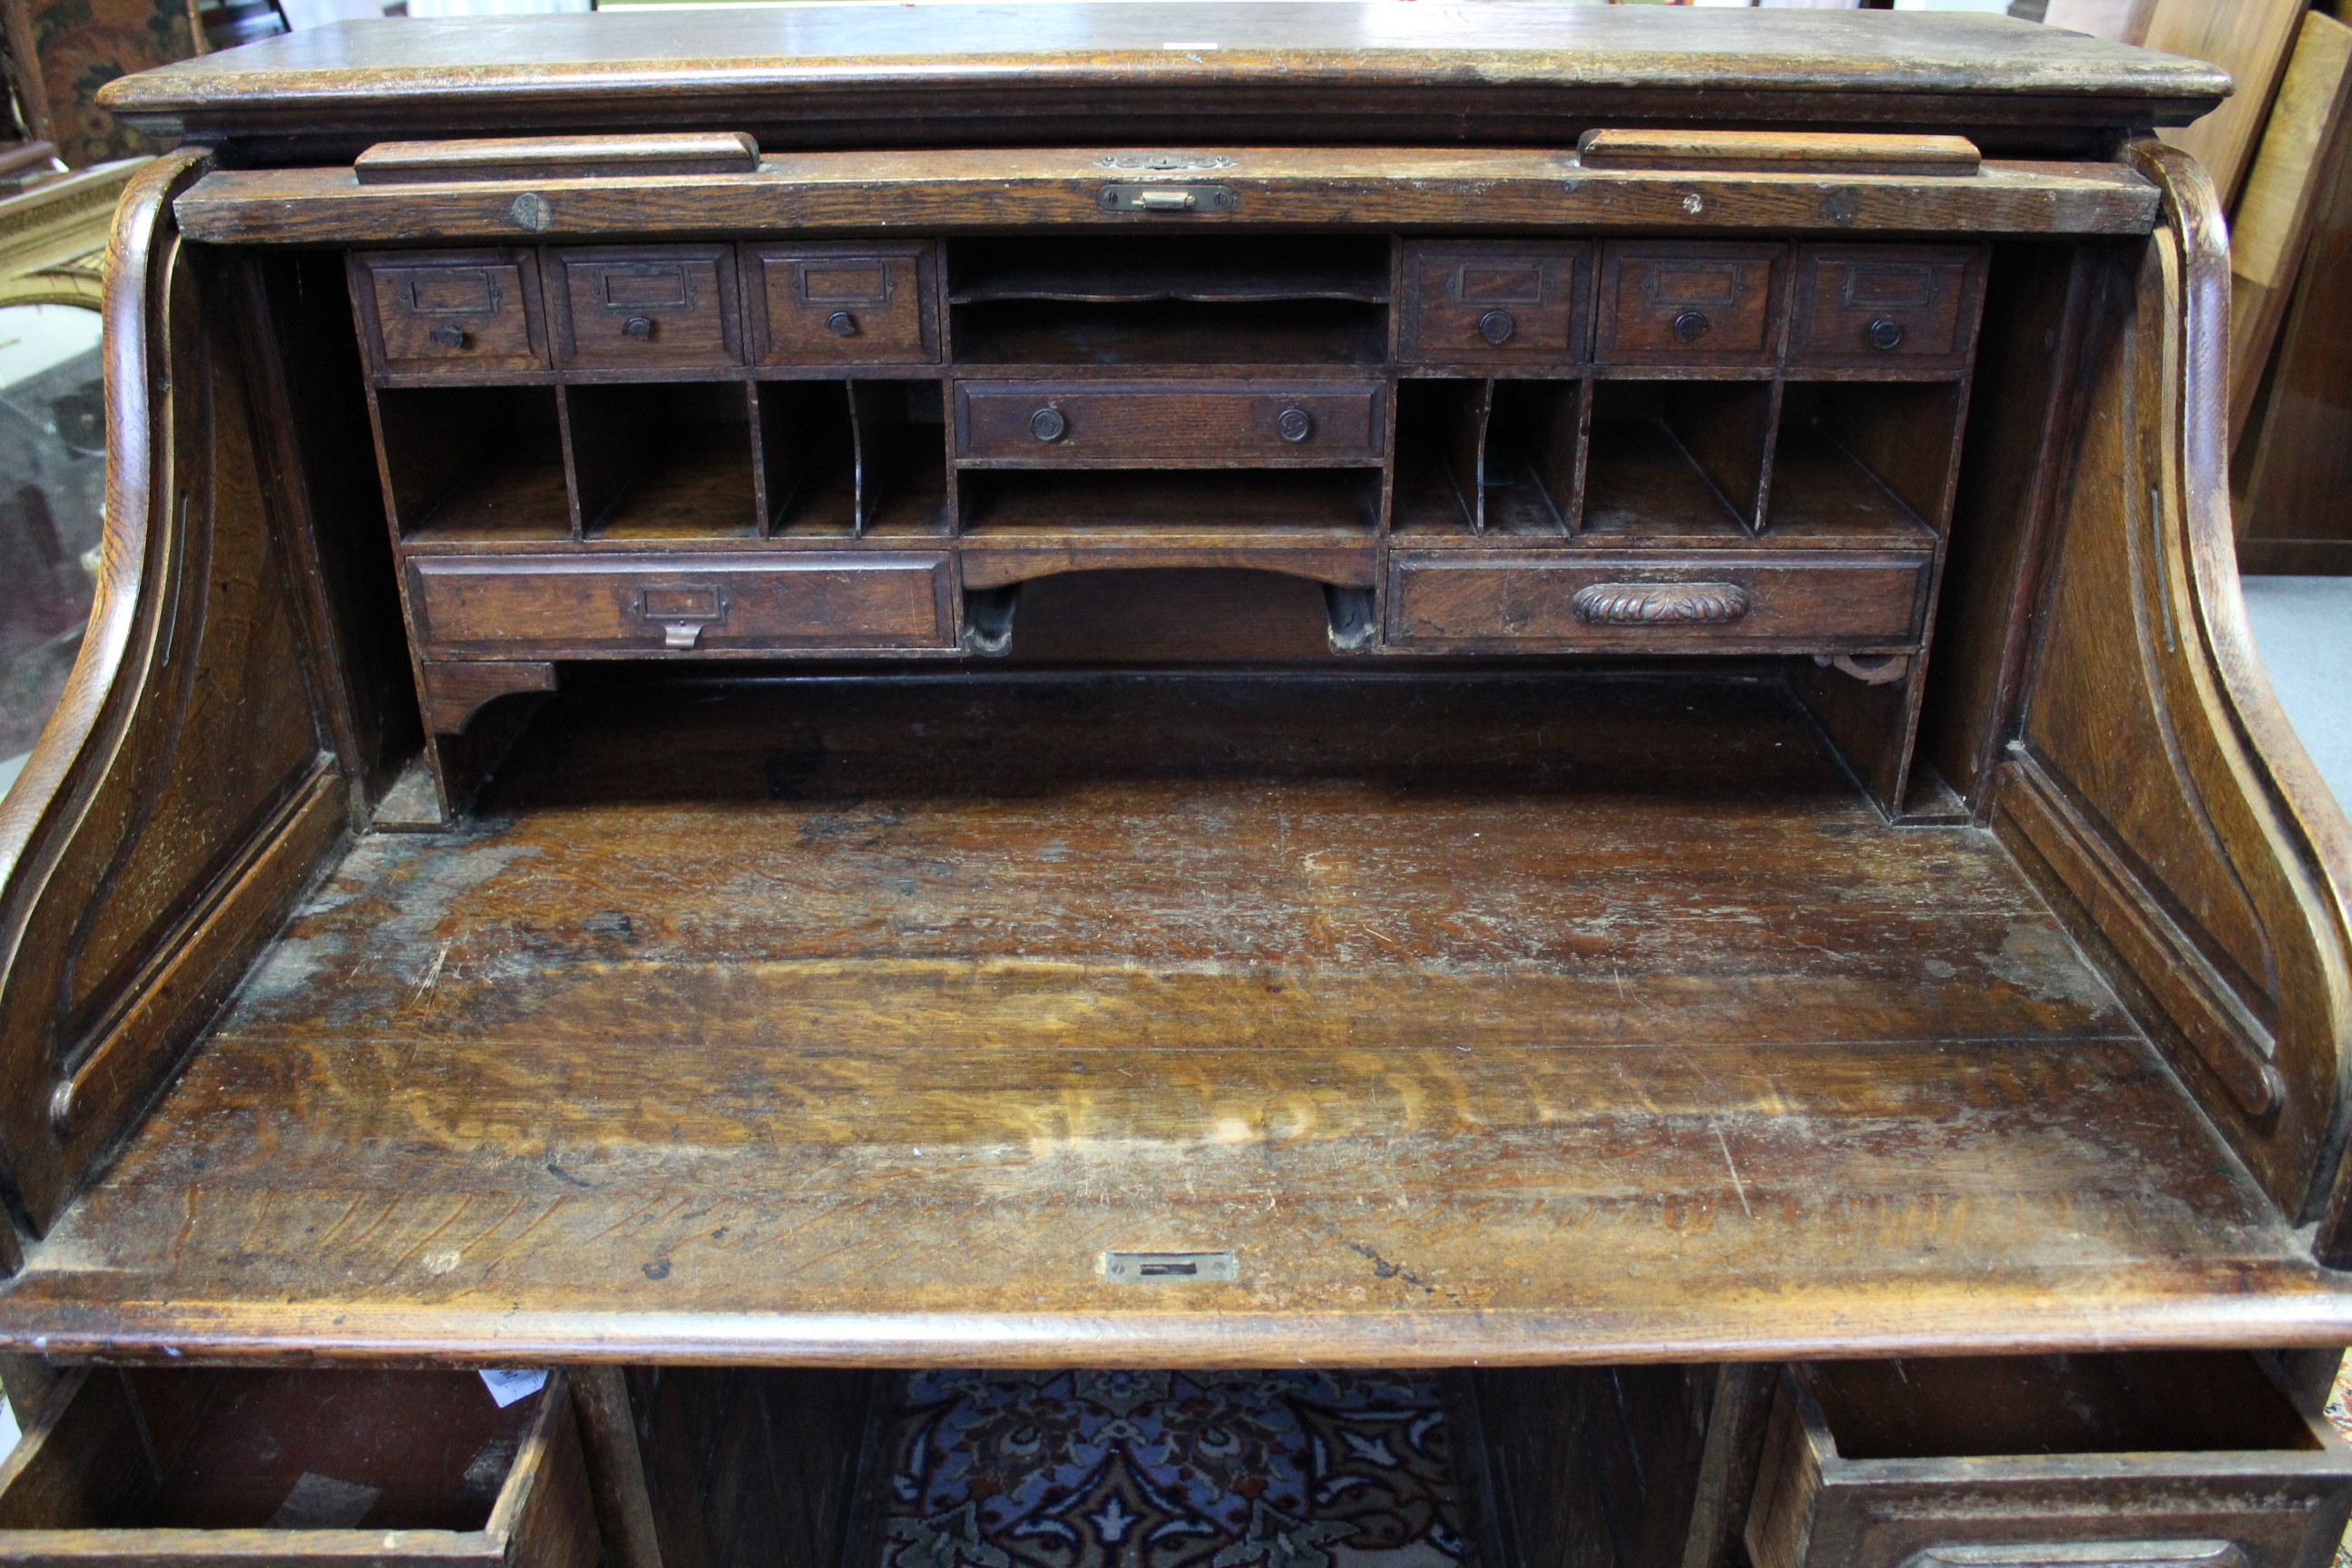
[1401, 187]
[1528, 44]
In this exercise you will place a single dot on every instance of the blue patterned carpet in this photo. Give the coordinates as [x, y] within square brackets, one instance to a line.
[1158, 1469]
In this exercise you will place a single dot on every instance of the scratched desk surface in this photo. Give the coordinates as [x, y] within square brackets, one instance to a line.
[1478, 1017]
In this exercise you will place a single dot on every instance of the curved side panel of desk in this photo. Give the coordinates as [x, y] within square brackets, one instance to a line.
[180, 797]
[2154, 788]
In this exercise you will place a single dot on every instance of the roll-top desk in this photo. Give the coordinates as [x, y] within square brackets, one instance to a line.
[1216, 686]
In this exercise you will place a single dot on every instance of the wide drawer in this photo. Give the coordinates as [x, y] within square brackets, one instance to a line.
[450, 311]
[2159, 1461]
[1168, 424]
[1494, 302]
[1796, 602]
[587, 607]
[297, 1468]
[1904, 308]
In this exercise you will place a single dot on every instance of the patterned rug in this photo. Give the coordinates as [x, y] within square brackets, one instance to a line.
[1159, 1469]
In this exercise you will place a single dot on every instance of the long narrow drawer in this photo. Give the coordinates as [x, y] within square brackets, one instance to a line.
[591, 607]
[1796, 602]
[2156, 1460]
[1168, 424]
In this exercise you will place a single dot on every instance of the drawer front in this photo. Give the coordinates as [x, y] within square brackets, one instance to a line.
[1694, 304]
[455, 311]
[842, 304]
[1693, 603]
[1894, 308]
[682, 605]
[668, 307]
[1480, 304]
[1167, 424]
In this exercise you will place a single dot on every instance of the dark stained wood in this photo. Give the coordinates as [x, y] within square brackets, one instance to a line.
[649, 310]
[761, 1466]
[1678, 303]
[1592, 1467]
[557, 157]
[838, 76]
[1809, 151]
[2186, 1459]
[172, 810]
[202, 1467]
[841, 302]
[455, 690]
[1913, 308]
[477, 310]
[615, 1465]
[649, 606]
[946, 187]
[1657, 603]
[2214, 858]
[1764, 1082]
[1170, 425]
[1496, 302]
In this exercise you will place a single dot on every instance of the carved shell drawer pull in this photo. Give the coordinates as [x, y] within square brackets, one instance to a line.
[1660, 604]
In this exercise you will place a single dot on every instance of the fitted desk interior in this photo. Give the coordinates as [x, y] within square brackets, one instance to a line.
[1354, 699]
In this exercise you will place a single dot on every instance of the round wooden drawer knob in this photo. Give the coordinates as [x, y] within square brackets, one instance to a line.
[841, 324]
[1497, 327]
[449, 336]
[1295, 424]
[638, 327]
[1047, 424]
[1691, 325]
[1885, 335]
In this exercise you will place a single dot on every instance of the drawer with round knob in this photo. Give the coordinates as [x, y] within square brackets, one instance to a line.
[1906, 311]
[1167, 424]
[450, 312]
[664, 309]
[841, 302]
[1495, 303]
[1668, 302]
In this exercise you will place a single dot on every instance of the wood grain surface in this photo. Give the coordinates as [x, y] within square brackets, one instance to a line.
[849, 75]
[1063, 187]
[1482, 1018]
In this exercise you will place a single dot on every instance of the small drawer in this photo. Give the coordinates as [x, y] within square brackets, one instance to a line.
[587, 607]
[1473, 303]
[452, 310]
[2156, 1460]
[669, 307]
[1910, 310]
[297, 1468]
[843, 303]
[1692, 601]
[1167, 424]
[1668, 302]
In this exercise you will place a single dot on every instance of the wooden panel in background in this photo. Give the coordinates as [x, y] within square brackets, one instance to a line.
[2250, 40]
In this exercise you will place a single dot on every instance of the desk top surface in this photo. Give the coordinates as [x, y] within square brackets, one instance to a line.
[1360, 70]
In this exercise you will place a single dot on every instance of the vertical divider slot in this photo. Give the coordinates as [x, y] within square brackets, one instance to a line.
[898, 444]
[1531, 479]
[474, 463]
[662, 461]
[1727, 429]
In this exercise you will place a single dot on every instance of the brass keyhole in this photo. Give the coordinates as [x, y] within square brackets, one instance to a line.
[1690, 325]
[1497, 327]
